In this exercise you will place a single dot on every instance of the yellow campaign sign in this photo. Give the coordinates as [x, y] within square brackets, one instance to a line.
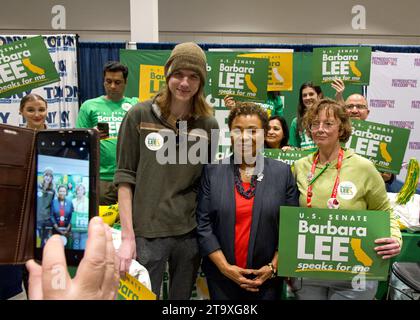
[132, 289]
[109, 214]
[152, 78]
[280, 70]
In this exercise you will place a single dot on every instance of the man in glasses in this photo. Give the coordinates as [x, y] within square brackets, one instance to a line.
[357, 108]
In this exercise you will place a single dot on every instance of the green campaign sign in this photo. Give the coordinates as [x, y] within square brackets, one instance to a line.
[288, 156]
[145, 72]
[350, 64]
[384, 145]
[25, 65]
[79, 221]
[331, 244]
[244, 78]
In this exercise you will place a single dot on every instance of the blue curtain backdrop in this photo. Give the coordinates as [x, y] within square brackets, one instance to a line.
[92, 56]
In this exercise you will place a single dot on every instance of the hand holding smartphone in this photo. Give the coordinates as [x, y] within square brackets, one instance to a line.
[66, 188]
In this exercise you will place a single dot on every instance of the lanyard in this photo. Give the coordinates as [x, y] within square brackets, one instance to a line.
[332, 202]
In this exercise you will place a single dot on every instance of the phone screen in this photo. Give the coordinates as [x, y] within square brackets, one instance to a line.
[104, 128]
[64, 188]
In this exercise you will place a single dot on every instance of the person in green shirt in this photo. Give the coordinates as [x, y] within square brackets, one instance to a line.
[309, 94]
[110, 110]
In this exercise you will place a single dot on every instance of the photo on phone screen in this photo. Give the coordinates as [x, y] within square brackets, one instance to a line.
[104, 128]
[65, 191]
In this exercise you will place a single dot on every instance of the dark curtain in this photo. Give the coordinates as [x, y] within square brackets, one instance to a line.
[92, 56]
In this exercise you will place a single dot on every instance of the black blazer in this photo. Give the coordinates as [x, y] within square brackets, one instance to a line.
[216, 212]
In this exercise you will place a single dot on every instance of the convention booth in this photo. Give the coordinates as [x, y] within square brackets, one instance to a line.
[393, 95]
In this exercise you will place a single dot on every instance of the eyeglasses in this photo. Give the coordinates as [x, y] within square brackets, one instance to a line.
[357, 106]
[327, 126]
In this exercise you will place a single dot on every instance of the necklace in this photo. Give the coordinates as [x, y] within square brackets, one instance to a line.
[250, 193]
[248, 172]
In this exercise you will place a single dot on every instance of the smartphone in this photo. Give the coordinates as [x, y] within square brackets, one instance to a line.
[67, 171]
[103, 127]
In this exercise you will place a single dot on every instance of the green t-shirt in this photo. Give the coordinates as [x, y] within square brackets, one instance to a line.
[101, 109]
[300, 140]
[273, 105]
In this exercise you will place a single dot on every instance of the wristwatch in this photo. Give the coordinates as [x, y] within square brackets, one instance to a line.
[273, 270]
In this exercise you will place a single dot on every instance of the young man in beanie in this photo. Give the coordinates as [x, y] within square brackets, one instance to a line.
[157, 202]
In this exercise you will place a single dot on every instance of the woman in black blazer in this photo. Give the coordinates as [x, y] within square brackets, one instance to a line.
[238, 212]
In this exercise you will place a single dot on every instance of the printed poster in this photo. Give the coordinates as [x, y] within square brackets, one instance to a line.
[350, 64]
[331, 244]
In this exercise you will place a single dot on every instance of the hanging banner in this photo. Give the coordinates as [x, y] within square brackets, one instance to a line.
[331, 244]
[384, 145]
[280, 71]
[394, 97]
[240, 77]
[62, 96]
[350, 64]
[288, 156]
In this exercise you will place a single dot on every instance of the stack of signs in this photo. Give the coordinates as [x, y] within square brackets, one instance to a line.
[350, 64]
[384, 145]
[244, 78]
[332, 244]
[24, 65]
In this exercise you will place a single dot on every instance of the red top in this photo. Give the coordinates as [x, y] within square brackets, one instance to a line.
[242, 226]
[62, 213]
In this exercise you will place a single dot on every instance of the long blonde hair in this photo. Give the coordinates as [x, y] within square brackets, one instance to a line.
[199, 106]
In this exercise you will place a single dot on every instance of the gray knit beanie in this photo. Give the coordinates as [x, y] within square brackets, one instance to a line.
[189, 56]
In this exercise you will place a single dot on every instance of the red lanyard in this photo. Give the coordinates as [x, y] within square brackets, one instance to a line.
[332, 202]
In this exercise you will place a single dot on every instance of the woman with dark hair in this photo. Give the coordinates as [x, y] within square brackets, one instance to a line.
[278, 133]
[309, 94]
[61, 212]
[238, 213]
[320, 178]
